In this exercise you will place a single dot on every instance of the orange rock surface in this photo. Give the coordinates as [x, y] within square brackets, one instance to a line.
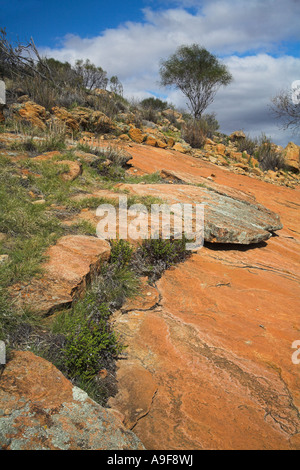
[71, 264]
[292, 156]
[32, 113]
[211, 362]
[41, 410]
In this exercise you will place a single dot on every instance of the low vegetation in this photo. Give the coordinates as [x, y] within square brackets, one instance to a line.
[262, 149]
[80, 340]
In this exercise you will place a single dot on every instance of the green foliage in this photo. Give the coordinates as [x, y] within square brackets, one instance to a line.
[195, 131]
[116, 282]
[154, 103]
[212, 123]
[152, 178]
[90, 75]
[147, 201]
[111, 163]
[45, 180]
[111, 172]
[154, 256]
[149, 114]
[170, 251]
[90, 203]
[116, 86]
[36, 147]
[28, 230]
[86, 342]
[116, 155]
[83, 227]
[19, 217]
[50, 82]
[83, 148]
[263, 150]
[121, 252]
[197, 73]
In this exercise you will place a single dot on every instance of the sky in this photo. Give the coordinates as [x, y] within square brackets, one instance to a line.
[258, 40]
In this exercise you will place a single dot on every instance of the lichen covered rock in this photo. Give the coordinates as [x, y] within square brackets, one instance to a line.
[41, 410]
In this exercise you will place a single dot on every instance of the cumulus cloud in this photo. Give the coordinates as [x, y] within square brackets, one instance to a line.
[250, 36]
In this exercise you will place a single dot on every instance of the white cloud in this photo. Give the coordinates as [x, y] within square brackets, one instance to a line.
[227, 27]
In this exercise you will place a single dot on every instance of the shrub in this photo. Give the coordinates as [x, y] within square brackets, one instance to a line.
[269, 158]
[150, 114]
[247, 145]
[195, 132]
[40, 91]
[212, 124]
[154, 103]
[121, 252]
[154, 256]
[113, 170]
[116, 282]
[87, 341]
[117, 156]
[197, 74]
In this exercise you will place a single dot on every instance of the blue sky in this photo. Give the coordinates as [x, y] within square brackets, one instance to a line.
[259, 40]
[49, 21]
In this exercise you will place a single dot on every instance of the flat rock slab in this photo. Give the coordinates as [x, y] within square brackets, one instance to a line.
[72, 263]
[218, 344]
[41, 410]
[216, 354]
[227, 219]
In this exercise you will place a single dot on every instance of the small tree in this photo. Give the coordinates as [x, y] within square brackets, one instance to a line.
[286, 107]
[90, 75]
[116, 86]
[197, 73]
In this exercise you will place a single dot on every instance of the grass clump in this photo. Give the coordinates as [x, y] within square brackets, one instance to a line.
[262, 149]
[246, 144]
[28, 227]
[268, 156]
[111, 162]
[27, 230]
[36, 146]
[83, 227]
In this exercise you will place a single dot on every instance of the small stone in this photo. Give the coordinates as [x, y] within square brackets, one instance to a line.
[39, 201]
[103, 373]
[4, 259]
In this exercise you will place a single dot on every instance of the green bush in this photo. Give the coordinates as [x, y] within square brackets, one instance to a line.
[269, 158]
[86, 343]
[121, 252]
